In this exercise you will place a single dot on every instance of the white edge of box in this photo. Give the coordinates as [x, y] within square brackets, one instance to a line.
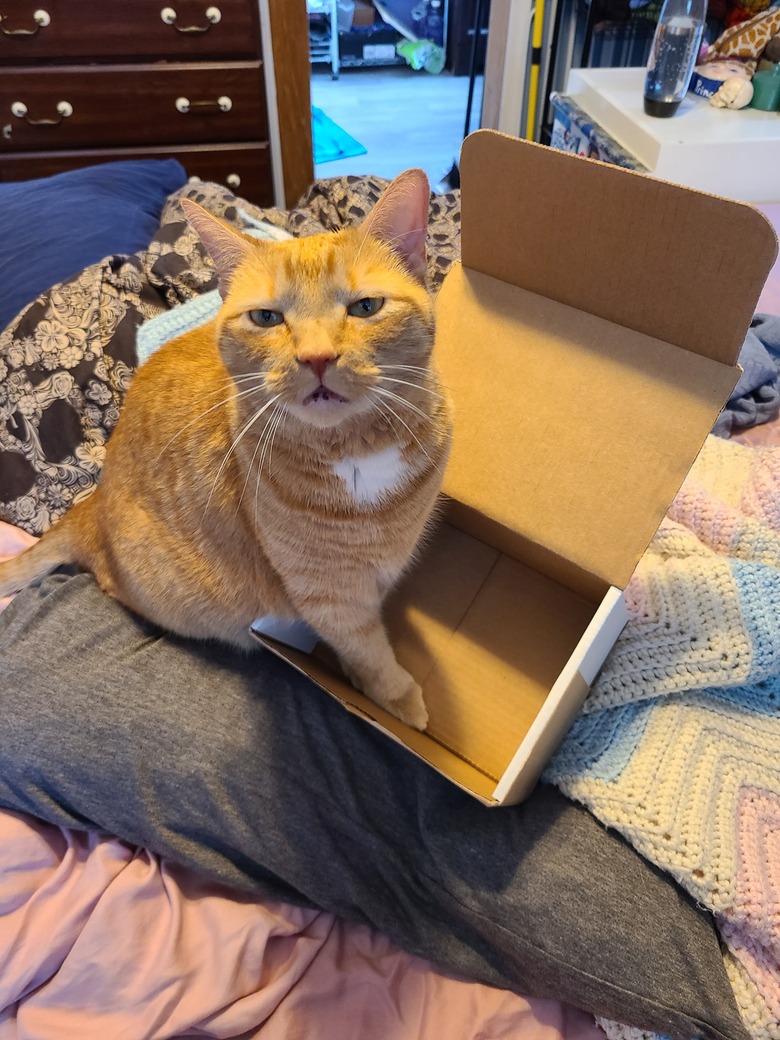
[565, 698]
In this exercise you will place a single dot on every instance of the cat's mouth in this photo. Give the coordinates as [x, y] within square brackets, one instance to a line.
[322, 395]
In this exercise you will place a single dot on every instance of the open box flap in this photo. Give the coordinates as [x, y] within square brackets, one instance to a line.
[571, 434]
[576, 422]
[677, 264]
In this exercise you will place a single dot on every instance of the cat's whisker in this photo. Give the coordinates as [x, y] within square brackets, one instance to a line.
[267, 437]
[401, 400]
[262, 446]
[417, 386]
[276, 424]
[228, 381]
[421, 369]
[248, 473]
[237, 440]
[379, 406]
[268, 433]
[408, 428]
[202, 415]
[237, 379]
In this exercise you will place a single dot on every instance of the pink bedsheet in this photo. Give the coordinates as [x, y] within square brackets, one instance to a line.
[769, 301]
[100, 940]
[12, 542]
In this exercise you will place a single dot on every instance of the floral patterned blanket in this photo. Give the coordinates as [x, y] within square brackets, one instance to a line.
[67, 360]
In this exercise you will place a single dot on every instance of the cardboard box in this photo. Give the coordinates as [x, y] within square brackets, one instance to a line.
[589, 338]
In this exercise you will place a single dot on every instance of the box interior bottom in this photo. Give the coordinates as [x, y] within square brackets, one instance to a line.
[486, 637]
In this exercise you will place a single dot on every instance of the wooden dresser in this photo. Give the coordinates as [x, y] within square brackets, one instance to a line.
[89, 81]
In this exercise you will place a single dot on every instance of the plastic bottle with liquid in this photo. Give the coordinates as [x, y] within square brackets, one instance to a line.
[673, 55]
[436, 23]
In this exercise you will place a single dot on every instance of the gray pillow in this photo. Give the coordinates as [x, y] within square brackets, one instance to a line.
[237, 766]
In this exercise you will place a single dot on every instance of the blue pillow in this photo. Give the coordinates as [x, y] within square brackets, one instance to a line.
[52, 228]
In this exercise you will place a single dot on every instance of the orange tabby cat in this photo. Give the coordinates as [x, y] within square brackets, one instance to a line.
[283, 459]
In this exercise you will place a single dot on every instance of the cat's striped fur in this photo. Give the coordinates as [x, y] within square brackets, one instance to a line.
[284, 459]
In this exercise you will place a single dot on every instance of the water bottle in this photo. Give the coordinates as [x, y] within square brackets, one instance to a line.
[673, 55]
[436, 23]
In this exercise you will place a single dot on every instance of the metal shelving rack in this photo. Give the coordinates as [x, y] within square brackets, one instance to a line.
[329, 51]
[326, 50]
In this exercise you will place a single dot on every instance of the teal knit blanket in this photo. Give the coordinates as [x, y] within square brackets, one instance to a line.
[201, 309]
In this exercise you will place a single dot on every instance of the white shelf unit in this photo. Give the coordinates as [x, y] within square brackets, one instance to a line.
[328, 49]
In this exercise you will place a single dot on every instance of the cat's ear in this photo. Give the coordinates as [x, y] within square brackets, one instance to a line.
[400, 219]
[227, 247]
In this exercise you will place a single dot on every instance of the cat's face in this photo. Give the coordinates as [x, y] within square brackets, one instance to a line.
[331, 322]
[333, 326]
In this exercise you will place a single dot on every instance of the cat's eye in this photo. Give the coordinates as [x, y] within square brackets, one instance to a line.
[367, 307]
[266, 319]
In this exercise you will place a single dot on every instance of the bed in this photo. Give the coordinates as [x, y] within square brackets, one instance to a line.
[677, 748]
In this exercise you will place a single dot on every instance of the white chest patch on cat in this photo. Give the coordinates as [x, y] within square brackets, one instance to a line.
[370, 477]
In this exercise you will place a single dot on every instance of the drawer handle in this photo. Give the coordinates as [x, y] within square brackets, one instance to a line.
[64, 109]
[223, 103]
[213, 15]
[233, 180]
[41, 19]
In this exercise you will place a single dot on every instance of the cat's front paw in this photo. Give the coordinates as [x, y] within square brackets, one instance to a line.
[410, 707]
[403, 698]
[397, 693]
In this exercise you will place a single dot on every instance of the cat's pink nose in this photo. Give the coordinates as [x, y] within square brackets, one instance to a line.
[318, 363]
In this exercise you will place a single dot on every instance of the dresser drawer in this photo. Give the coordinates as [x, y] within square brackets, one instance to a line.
[131, 105]
[118, 30]
[244, 168]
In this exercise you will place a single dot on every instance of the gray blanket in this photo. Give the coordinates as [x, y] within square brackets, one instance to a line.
[756, 397]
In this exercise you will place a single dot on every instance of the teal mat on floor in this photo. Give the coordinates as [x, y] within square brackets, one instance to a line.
[330, 141]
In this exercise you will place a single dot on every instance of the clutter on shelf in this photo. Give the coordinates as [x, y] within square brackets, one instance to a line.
[741, 67]
[575, 131]
[421, 24]
[349, 33]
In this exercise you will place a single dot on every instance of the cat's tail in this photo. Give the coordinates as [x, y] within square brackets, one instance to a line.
[52, 550]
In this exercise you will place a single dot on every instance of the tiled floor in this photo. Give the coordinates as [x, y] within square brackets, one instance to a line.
[404, 118]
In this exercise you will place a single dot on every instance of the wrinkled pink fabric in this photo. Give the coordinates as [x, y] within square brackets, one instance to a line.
[12, 542]
[101, 940]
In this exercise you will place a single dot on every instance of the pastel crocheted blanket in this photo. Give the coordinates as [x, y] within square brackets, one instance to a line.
[678, 746]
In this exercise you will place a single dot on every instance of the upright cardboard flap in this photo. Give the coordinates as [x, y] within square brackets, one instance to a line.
[676, 264]
[589, 340]
[572, 434]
